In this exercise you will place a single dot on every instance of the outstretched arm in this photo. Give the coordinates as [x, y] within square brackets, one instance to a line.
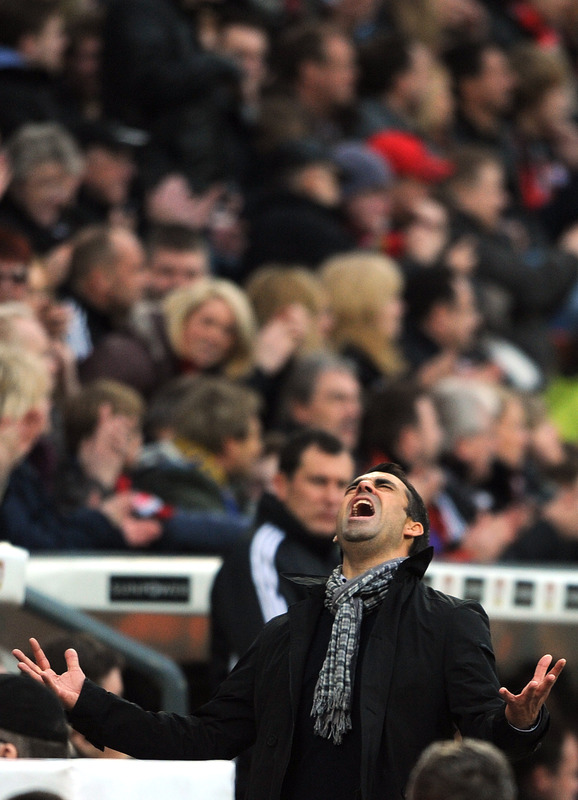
[522, 709]
[66, 687]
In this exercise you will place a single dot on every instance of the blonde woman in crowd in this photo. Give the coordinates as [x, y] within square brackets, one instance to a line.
[365, 295]
[211, 327]
[294, 296]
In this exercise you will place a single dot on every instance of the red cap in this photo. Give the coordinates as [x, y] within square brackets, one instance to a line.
[409, 157]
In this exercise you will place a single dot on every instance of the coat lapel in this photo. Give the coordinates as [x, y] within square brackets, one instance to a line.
[303, 619]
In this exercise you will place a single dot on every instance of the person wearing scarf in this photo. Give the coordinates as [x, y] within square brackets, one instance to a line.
[340, 695]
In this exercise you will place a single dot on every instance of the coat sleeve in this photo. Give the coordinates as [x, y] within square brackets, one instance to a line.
[473, 685]
[221, 729]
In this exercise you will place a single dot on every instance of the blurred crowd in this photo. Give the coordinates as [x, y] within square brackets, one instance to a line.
[224, 223]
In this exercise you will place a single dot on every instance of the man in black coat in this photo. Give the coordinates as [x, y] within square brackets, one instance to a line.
[340, 695]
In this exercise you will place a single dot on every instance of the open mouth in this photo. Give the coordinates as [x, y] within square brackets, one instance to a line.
[362, 508]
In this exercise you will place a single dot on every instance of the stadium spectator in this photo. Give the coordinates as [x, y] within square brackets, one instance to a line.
[546, 138]
[417, 170]
[27, 512]
[484, 84]
[106, 194]
[314, 69]
[551, 773]
[80, 84]
[32, 725]
[46, 166]
[293, 533]
[441, 328]
[32, 40]
[475, 528]
[366, 181]
[522, 286]
[464, 770]
[552, 536]
[205, 328]
[177, 256]
[393, 79]
[106, 278]
[156, 77]
[296, 219]
[217, 441]
[322, 391]
[365, 296]
[15, 259]
[103, 432]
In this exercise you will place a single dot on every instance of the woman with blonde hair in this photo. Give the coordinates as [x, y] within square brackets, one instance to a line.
[293, 293]
[365, 295]
[205, 328]
[211, 327]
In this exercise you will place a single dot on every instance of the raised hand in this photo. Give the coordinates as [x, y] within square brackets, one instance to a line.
[66, 687]
[522, 709]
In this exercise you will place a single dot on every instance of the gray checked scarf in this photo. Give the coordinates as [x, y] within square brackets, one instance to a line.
[347, 602]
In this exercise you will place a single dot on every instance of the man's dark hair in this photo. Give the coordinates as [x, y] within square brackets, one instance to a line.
[21, 17]
[416, 509]
[465, 59]
[468, 160]
[215, 409]
[293, 449]
[427, 288]
[298, 45]
[96, 658]
[33, 747]
[176, 236]
[232, 16]
[381, 60]
[83, 409]
[307, 370]
[388, 410]
[92, 248]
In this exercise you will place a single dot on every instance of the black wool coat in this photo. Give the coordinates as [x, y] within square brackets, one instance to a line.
[428, 670]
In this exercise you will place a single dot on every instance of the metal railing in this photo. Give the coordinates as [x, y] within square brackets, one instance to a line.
[161, 670]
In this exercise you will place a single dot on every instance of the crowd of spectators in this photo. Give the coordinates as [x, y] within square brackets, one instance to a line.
[221, 223]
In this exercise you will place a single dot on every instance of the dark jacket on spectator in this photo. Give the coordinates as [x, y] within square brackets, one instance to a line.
[249, 588]
[534, 285]
[29, 518]
[542, 543]
[42, 238]
[155, 77]
[288, 228]
[26, 95]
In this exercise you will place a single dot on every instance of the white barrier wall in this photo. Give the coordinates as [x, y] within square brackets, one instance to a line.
[112, 779]
[182, 585]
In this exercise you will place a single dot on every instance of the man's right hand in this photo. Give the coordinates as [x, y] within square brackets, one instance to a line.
[66, 687]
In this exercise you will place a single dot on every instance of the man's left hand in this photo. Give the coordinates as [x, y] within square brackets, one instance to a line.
[522, 709]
